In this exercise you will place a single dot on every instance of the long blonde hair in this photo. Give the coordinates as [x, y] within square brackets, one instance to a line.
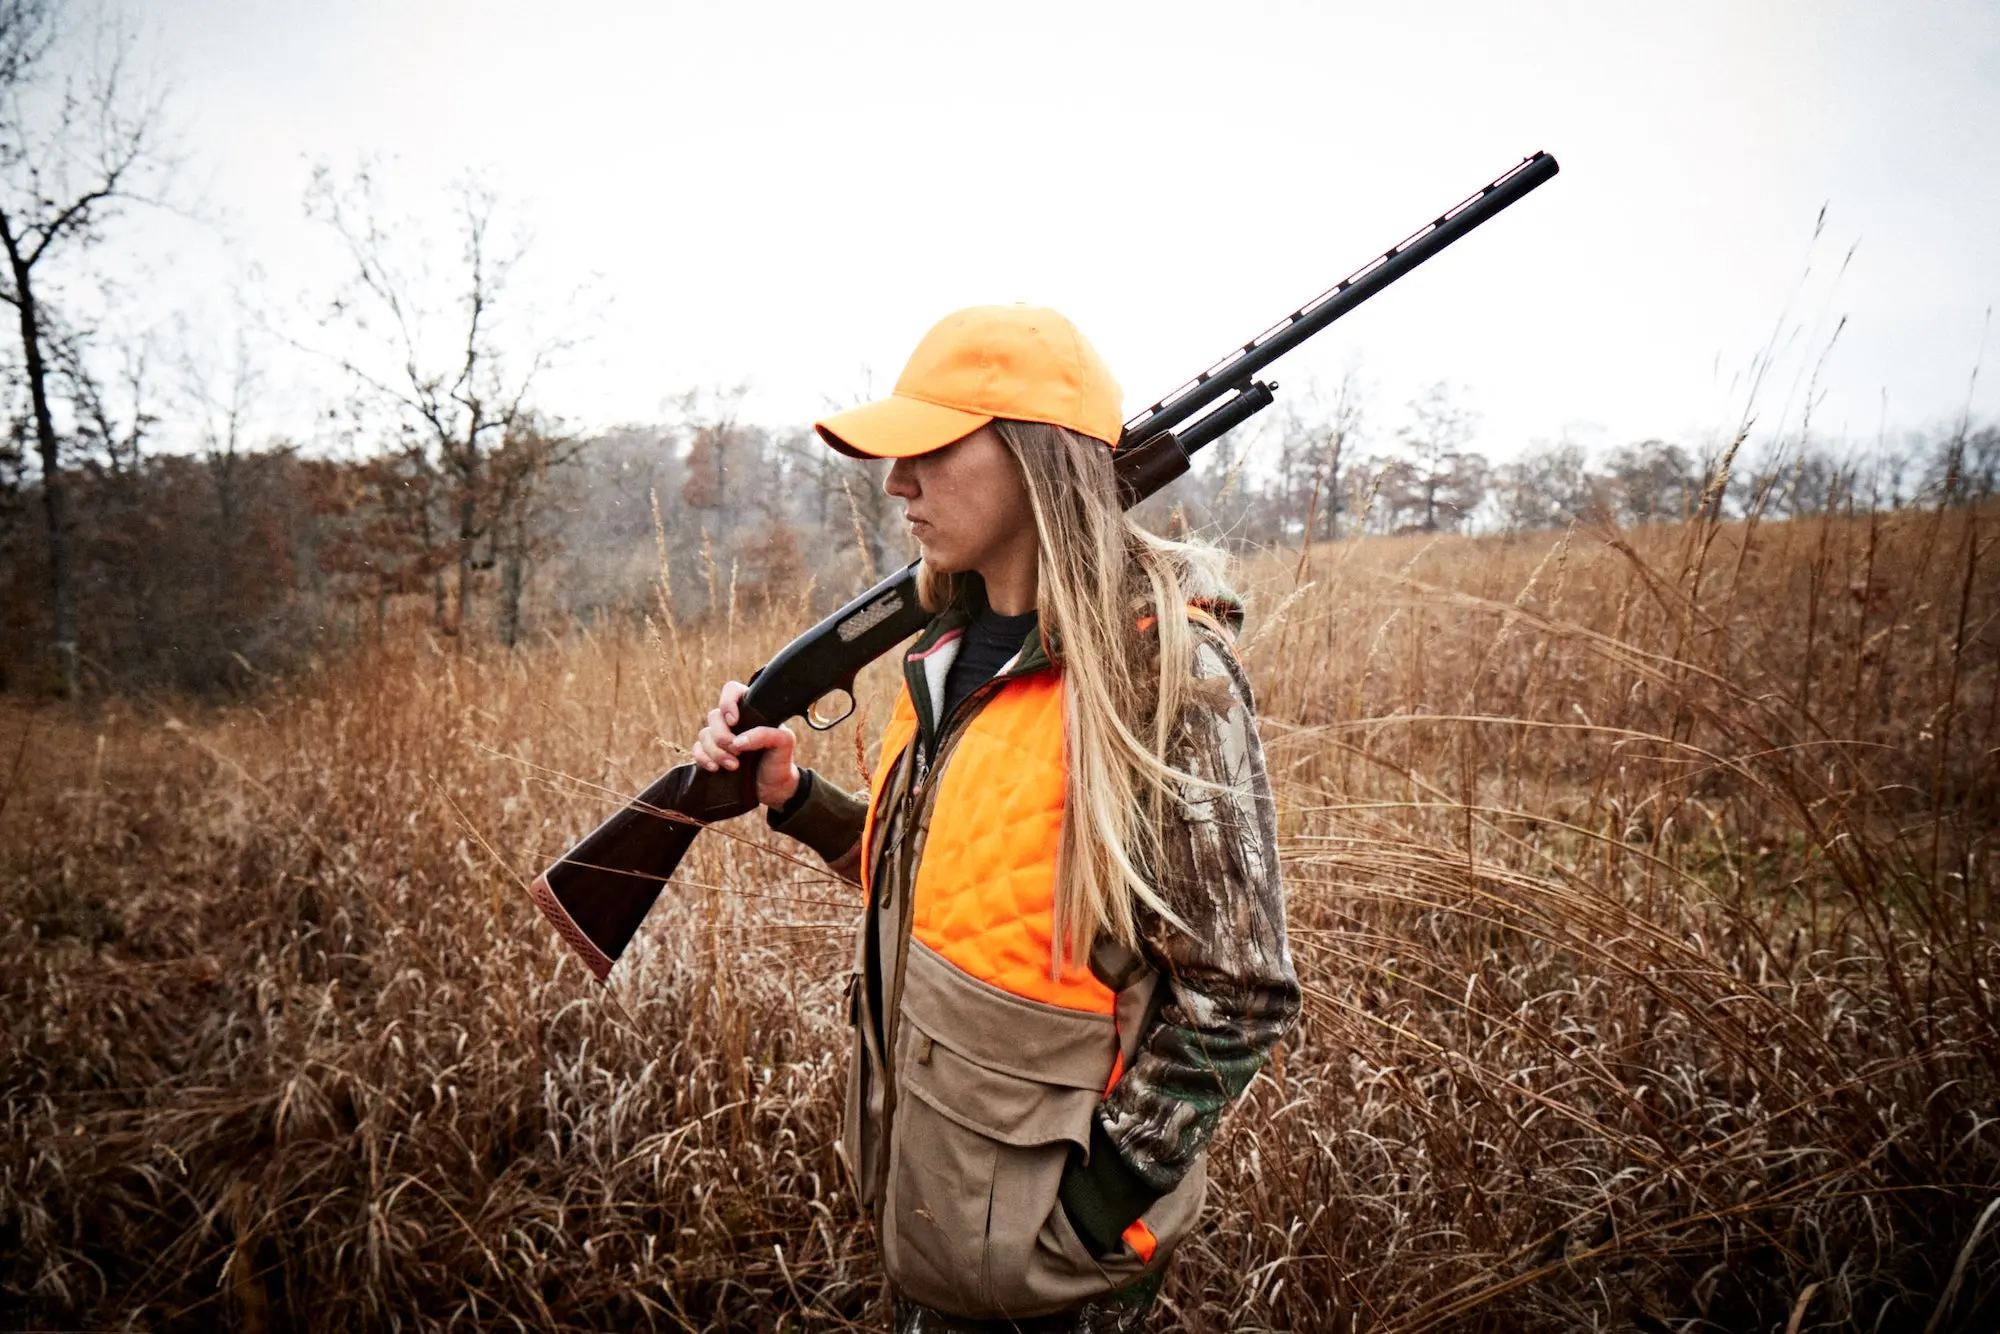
[1099, 575]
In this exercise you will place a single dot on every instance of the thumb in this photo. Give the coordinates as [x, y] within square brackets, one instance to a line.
[764, 738]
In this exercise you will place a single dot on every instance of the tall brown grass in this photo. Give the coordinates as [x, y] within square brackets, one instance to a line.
[1641, 884]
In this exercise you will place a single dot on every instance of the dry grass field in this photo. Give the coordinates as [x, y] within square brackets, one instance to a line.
[1642, 885]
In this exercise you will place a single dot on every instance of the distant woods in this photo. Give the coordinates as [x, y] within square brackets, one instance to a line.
[203, 571]
[162, 525]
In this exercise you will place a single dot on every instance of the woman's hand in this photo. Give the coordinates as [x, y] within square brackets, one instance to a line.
[718, 747]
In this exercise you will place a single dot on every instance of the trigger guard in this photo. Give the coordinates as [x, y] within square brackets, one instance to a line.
[812, 715]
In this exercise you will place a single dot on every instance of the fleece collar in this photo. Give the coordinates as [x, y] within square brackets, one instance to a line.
[928, 662]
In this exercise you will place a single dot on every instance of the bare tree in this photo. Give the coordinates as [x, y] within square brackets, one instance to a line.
[1654, 480]
[725, 464]
[1979, 464]
[1895, 468]
[531, 450]
[849, 503]
[1315, 450]
[98, 428]
[454, 396]
[221, 409]
[74, 148]
[1444, 481]
[1545, 488]
[1964, 466]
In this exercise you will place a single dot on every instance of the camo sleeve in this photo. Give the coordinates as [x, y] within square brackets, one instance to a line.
[1229, 990]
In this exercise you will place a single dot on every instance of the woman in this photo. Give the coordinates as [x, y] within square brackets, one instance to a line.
[1073, 953]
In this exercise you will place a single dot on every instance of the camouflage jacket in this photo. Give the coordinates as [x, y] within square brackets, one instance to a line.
[1229, 992]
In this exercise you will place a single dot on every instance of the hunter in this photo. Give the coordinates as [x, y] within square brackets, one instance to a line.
[1073, 953]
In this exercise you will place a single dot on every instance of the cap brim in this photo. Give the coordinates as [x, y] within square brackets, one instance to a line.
[897, 428]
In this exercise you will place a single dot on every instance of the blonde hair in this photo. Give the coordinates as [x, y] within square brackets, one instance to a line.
[1099, 575]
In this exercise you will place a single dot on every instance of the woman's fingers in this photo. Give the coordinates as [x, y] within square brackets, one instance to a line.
[716, 746]
[716, 729]
[712, 744]
[732, 691]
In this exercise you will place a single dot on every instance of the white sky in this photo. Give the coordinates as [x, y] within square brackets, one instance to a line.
[791, 194]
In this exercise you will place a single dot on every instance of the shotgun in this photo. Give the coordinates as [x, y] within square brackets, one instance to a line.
[602, 888]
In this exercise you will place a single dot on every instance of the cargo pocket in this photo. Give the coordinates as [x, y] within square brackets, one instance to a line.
[992, 1092]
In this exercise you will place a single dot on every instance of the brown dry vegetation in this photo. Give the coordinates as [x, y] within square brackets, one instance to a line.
[1641, 886]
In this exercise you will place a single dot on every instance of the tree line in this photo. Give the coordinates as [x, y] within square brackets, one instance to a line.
[1322, 468]
[208, 570]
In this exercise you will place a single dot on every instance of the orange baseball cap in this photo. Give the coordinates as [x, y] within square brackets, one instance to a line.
[1023, 362]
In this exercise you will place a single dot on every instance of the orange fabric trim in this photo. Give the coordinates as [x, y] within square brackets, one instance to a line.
[1142, 1241]
[1195, 613]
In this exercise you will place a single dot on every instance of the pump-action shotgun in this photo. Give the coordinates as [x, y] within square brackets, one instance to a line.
[601, 890]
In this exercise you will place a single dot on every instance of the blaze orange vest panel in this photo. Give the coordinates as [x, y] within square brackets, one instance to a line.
[985, 890]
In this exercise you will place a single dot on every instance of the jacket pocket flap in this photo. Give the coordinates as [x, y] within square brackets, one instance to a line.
[995, 1029]
[998, 1105]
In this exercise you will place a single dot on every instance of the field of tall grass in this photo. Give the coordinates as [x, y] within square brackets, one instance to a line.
[1642, 886]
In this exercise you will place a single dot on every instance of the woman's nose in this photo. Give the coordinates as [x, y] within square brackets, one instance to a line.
[901, 481]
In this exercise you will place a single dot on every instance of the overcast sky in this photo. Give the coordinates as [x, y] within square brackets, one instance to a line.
[788, 195]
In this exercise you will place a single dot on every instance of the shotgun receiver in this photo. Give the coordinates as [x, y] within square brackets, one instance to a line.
[602, 888]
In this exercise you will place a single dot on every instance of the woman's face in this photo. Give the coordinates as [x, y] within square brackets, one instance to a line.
[966, 505]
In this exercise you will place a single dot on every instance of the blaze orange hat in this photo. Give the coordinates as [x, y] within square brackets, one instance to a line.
[1023, 362]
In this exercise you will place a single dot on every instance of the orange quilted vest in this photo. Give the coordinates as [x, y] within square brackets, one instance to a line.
[985, 889]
